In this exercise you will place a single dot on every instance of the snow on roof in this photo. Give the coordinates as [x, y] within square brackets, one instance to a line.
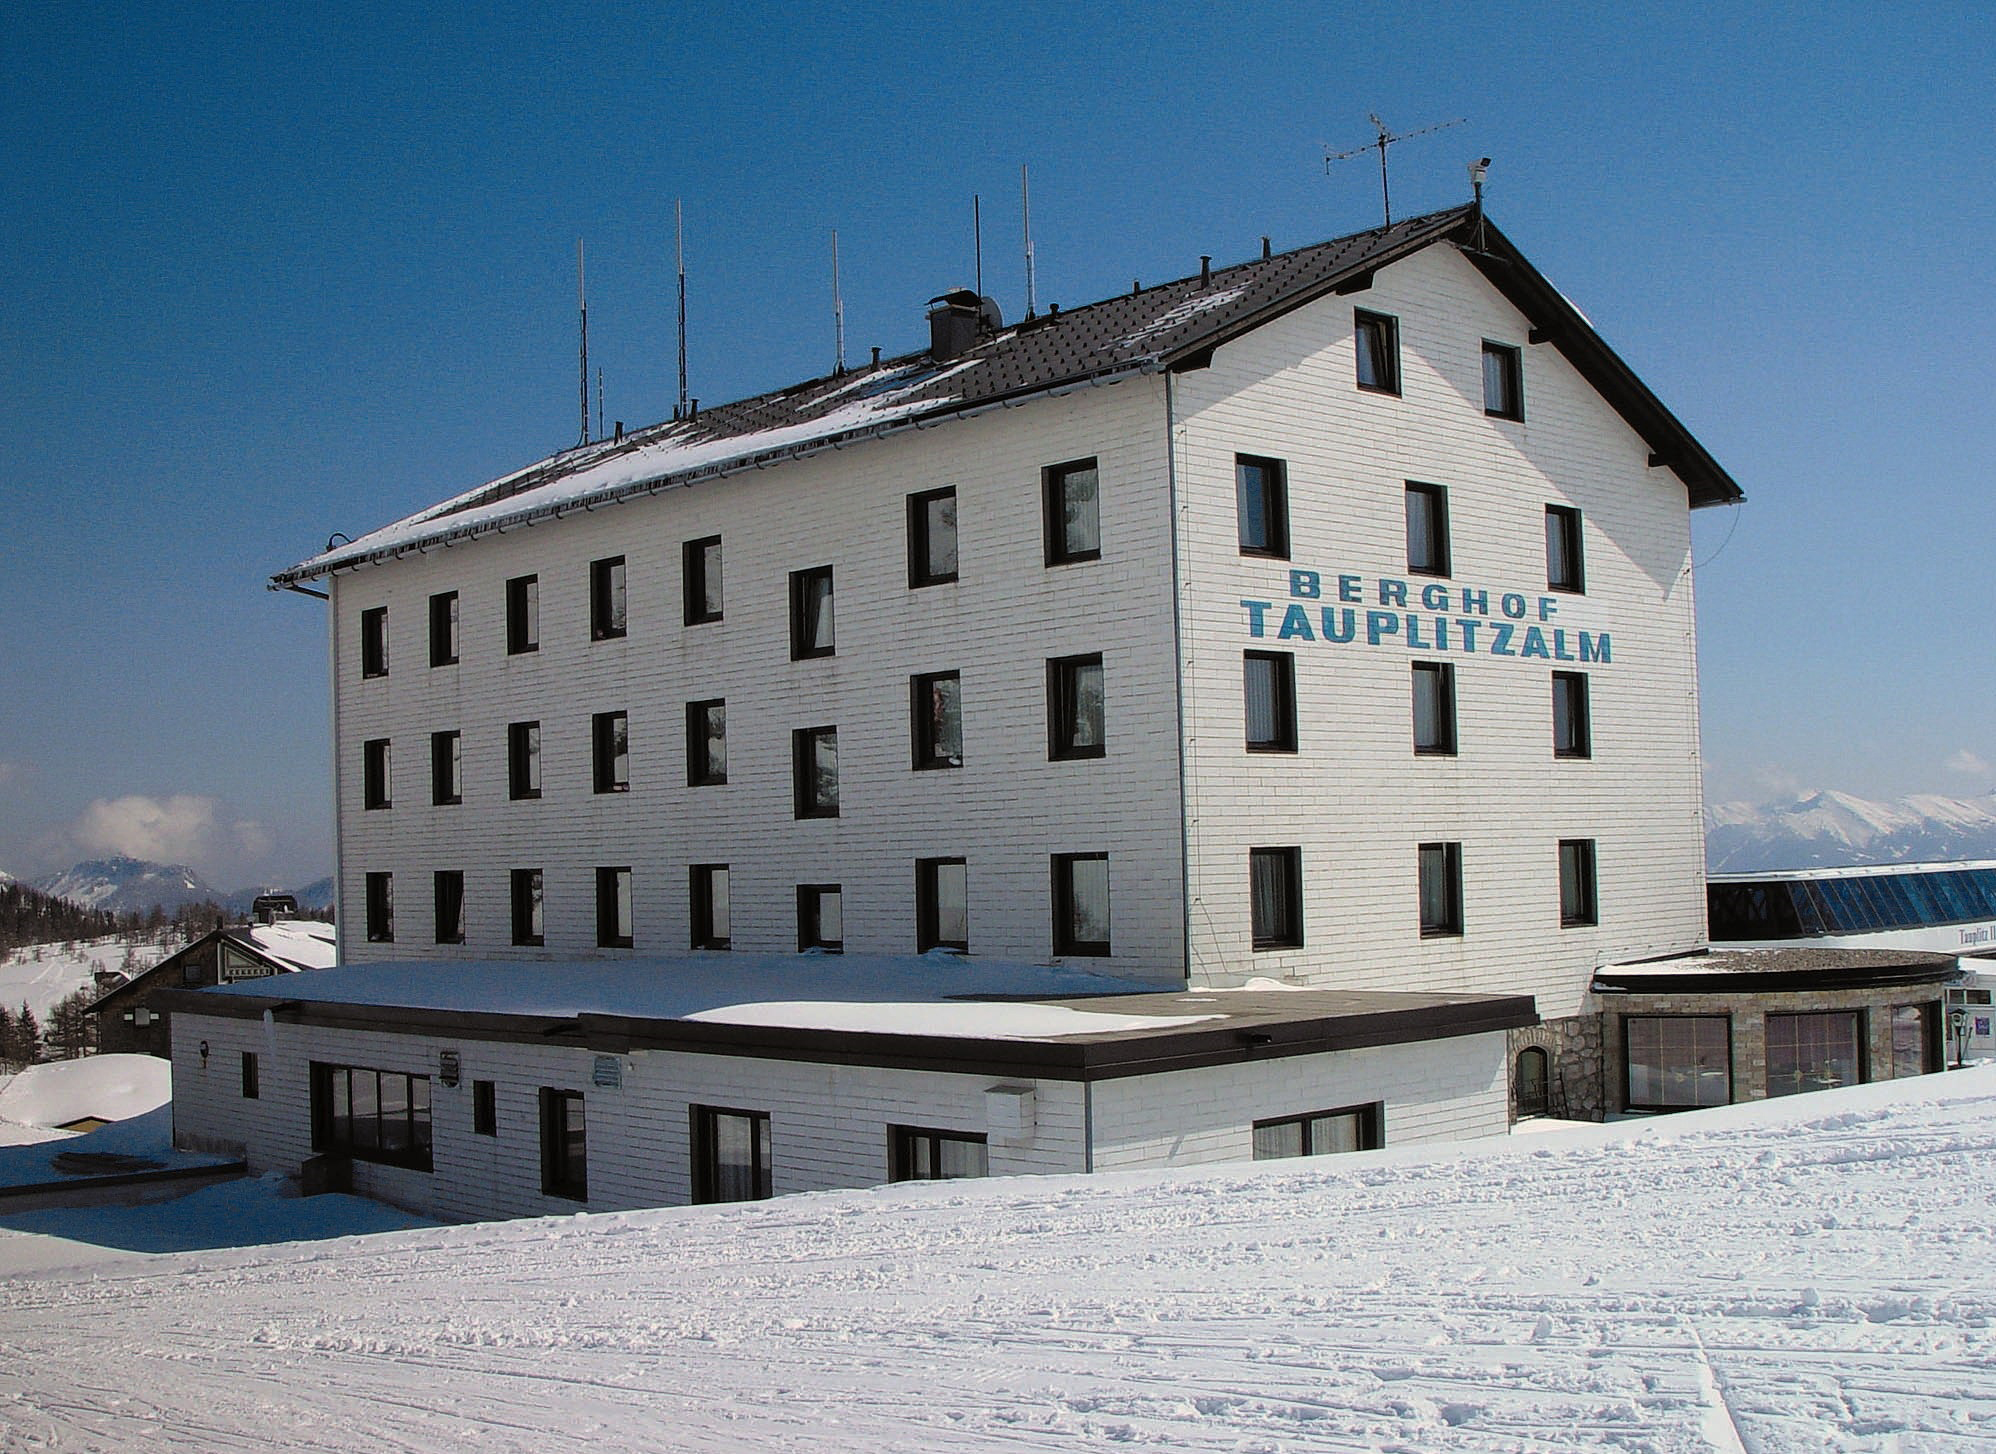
[114, 1087]
[303, 943]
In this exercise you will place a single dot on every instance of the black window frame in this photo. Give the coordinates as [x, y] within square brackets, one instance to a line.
[380, 907]
[252, 1089]
[1579, 885]
[1369, 1121]
[446, 768]
[811, 918]
[1440, 561]
[606, 775]
[1065, 940]
[1282, 701]
[527, 901]
[1695, 1102]
[1563, 523]
[332, 1085]
[694, 575]
[700, 906]
[377, 791]
[1446, 858]
[523, 615]
[928, 905]
[1530, 1103]
[444, 643]
[1798, 1081]
[804, 642]
[484, 1108]
[609, 599]
[921, 540]
[374, 642]
[1509, 362]
[805, 776]
[704, 1138]
[1285, 930]
[447, 900]
[1376, 342]
[564, 1144]
[1444, 742]
[613, 932]
[1053, 495]
[1063, 708]
[1272, 490]
[926, 739]
[523, 761]
[700, 739]
[1572, 705]
[915, 1153]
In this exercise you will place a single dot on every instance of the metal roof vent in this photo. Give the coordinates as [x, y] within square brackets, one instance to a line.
[956, 320]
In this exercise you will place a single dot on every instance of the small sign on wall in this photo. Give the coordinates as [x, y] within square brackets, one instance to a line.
[448, 1067]
[608, 1072]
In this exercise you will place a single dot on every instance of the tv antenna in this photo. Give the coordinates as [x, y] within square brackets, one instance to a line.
[838, 312]
[1386, 138]
[680, 411]
[582, 304]
[1026, 210]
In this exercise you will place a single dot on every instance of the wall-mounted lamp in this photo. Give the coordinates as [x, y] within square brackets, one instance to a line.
[204, 1054]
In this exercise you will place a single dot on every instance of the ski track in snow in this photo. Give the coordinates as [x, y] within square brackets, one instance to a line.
[1700, 1286]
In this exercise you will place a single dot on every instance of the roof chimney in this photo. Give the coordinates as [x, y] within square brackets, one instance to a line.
[953, 319]
[1205, 268]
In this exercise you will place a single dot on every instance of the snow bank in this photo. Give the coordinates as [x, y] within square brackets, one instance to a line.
[113, 1087]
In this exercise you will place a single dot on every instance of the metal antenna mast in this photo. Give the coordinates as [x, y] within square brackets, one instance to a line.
[1026, 209]
[1386, 139]
[838, 308]
[582, 303]
[679, 231]
[977, 239]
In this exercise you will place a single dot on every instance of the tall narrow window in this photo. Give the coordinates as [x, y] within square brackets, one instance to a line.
[607, 619]
[381, 908]
[1434, 708]
[610, 737]
[1321, 1134]
[1566, 568]
[1427, 530]
[937, 1155]
[484, 1108]
[811, 626]
[814, 753]
[731, 1155]
[1441, 890]
[446, 768]
[443, 629]
[613, 908]
[1268, 680]
[1378, 340]
[1532, 1082]
[528, 926]
[710, 906]
[1075, 710]
[1577, 905]
[937, 710]
[706, 743]
[1081, 903]
[376, 790]
[251, 1084]
[564, 1145]
[523, 615]
[700, 562]
[1275, 893]
[523, 760]
[1261, 492]
[1503, 381]
[448, 888]
[942, 905]
[931, 538]
[821, 918]
[1073, 512]
[374, 642]
[1572, 726]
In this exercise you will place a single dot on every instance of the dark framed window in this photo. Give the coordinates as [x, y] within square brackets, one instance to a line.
[1503, 381]
[1081, 903]
[523, 760]
[1577, 903]
[1441, 889]
[1677, 1062]
[1073, 509]
[613, 908]
[936, 709]
[919, 1155]
[1566, 564]
[709, 904]
[1377, 337]
[1275, 897]
[1531, 1082]
[700, 571]
[371, 1115]
[942, 905]
[731, 1155]
[1321, 1133]
[706, 743]
[446, 768]
[814, 757]
[1427, 530]
[564, 1145]
[381, 908]
[1076, 725]
[484, 1108]
[1820, 1050]
[610, 751]
[447, 887]
[821, 918]
[1261, 493]
[812, 629]
[607, 614]
[1268, 685]
[374, 642]
[376, 789]
[251, 1090]
[443, 629]
[529, 926]
[931, 538]
[1434, 708]
[523, 615]
[1572, 724]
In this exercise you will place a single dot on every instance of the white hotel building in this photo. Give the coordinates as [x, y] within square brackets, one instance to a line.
[1323, 621]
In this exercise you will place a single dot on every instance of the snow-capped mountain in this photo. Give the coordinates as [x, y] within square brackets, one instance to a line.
[1832, 829]
[127, 884]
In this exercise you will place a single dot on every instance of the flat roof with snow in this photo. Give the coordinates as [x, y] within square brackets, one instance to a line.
[1756, 971]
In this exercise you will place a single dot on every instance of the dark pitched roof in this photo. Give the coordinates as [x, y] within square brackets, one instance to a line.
[1174, 325]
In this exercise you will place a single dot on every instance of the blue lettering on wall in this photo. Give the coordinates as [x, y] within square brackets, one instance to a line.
[1348, 589]
[1296, 623]
[1513, 605]
[1502, 645]
[1535, 643]
[1380, 624]
[1434, 596]
[1256, 610]
[1392, 592]
[1305, 584]
[1593, 647]
[1339, 625]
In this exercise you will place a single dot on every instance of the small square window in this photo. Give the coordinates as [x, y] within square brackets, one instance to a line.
[1081, 903]
[1268, 680]
[1441, 890]
[1427, 530]
[1261, 491]
[523, 615]
[1503, 381]
[937, 710]
[375, 788]
[706, 743]
[1275, 894]
[564, 1145]
[942, 905]
[484, 1108]
[731, 1155]
[523, 760]
[812, 630]
[937, 1155]
[1434, 708]
[607, 618]
[820, 918]
[1075, 710]
[1322, 1133]
[446, 768]
[701, 570]
[1378, 340]
[381, 908]
[1073, 512]
[610, 751]
[814, 755]
[374, 642]
[443, 629]
[931, 538]
[448, 885]
[710, 906]
[613, 908]
[1572, 725]
[1577, 905]
[528, 926]
[1566, 566]
[251, 1090]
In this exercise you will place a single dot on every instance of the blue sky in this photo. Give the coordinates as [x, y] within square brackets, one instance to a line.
[274, 272]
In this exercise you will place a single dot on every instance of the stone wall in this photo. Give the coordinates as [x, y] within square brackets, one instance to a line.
[1573, 1048]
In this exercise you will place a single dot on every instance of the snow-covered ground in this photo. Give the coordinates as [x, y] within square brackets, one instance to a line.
[43, 975]
[1804, 1275]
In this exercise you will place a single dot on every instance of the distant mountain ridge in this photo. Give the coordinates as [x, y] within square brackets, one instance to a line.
[135, 885]
[1832, 830]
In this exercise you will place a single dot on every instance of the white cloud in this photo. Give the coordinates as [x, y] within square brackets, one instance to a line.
[1965, 761]
[185, 828]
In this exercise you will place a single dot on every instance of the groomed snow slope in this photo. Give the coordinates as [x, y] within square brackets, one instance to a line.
[1808, 1275]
